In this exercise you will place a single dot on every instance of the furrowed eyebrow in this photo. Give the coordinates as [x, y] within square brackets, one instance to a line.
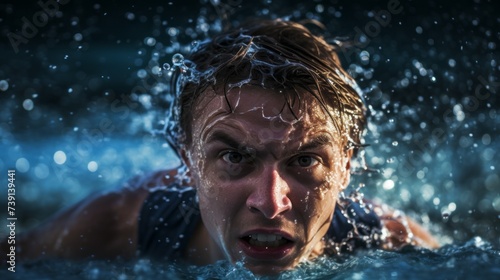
[219, 136]
[318, 141]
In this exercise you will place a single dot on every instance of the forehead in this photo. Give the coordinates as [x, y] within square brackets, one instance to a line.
[261, 112]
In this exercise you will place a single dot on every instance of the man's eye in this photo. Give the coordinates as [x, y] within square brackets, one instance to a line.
[305, 161]
[233, 157]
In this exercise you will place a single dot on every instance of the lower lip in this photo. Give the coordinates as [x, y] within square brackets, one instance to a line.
[265, 253]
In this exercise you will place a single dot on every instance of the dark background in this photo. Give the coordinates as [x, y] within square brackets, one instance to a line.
[430, 74]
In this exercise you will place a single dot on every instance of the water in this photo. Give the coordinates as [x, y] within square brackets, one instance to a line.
[474, 259]
[77, 117]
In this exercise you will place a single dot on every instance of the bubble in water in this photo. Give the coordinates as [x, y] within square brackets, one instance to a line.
[4, 85]
[177, 59]
[166, 66]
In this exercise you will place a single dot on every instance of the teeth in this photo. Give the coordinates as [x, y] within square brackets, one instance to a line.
[267, 240]
[266, 237]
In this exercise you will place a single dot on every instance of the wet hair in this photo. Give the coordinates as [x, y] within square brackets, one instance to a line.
[277, 54]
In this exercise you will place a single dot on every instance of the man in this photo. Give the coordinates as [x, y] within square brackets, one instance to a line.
[266, 122]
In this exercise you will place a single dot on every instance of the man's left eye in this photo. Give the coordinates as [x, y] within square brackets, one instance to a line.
[305, 161]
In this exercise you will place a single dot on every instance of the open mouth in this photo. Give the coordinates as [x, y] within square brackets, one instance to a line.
[266, 246]
[266, 240]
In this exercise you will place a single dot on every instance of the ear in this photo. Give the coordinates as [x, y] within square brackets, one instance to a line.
[347, 171]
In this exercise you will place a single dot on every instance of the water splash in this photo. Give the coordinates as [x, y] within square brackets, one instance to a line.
[475, 258]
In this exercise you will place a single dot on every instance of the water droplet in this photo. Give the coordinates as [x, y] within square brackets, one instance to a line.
[92, 166]
[172, 31]
[78, 37]
[156, 70]
[445, 216]
[150, 41]
[4, 85]
[28, 104]
[41, 171]
[195, 44]
[22, 165]
[142, 73]
[364, 56]
[388, 185]
[178, 59]
[166, 66]
[59, 157]
[130, 16]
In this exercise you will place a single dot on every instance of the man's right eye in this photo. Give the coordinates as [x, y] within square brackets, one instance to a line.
[232, 157]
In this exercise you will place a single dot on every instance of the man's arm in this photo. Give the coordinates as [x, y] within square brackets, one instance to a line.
[100, 226]
[400, 230]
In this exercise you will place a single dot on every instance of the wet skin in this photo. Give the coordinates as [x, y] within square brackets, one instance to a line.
[267, 181]
[267, 186]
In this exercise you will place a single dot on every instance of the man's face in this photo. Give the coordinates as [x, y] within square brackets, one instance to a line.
[267, 180]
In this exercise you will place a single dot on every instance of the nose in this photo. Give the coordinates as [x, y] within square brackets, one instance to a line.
[269, 194]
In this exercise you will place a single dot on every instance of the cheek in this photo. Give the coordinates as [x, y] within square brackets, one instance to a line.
[320, 207]
[215, 192]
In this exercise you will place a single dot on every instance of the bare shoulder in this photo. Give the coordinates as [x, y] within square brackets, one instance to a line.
[400, 230]
[103, 225]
